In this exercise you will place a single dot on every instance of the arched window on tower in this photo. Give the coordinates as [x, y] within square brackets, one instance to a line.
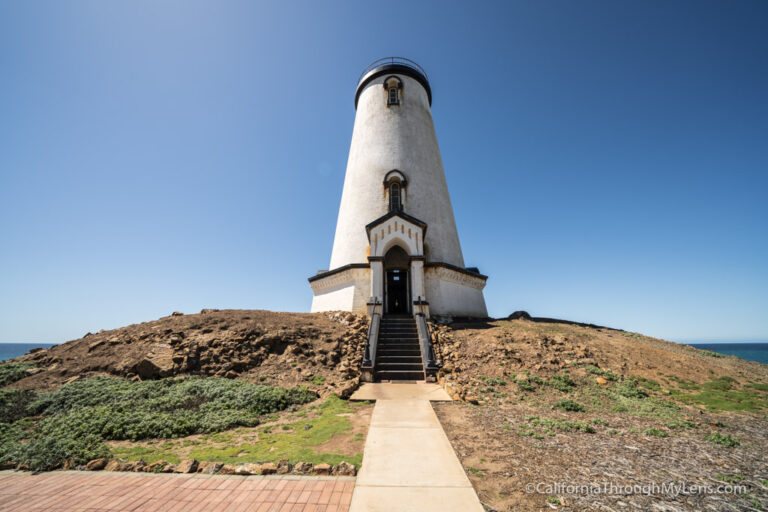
[393, 85]
[395, 205]
[393, 98]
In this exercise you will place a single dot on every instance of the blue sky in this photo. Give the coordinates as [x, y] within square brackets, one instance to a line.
[608, 161]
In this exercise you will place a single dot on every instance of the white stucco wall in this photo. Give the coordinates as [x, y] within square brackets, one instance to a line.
[394, 137]
[344, 291]
[451, 293]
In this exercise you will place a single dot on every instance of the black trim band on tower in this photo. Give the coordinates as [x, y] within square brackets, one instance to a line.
[397, 66]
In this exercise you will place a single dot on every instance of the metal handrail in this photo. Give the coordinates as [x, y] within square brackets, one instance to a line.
[425, 341]
[392, 60]
[369, 356]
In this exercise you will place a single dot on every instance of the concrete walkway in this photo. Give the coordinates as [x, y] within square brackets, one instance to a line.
[79, 491]
[408, 462]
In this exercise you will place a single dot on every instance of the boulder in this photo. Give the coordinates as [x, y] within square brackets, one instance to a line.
[96, 464]
[157, 363]
[248, 469]
[227, 469]
[209, 468]
[601, 381]
[344, 469]
[187, 466]
[155, 467]
[518, 315]
[114, 465]
[304, 468]
[177, 313]
[284, 467]
[268, 468]
[322, 469]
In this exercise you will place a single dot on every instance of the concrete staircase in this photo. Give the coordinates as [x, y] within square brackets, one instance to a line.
[398, 355]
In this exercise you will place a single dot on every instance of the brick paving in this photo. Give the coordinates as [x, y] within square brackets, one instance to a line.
[75, 491]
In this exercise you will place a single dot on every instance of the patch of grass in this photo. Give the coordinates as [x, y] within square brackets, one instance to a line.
[11, 371]
[570, 405]
[710, 353]
[145, 453]
[606, 374]
[682, 424]
[297, 444]
[562, 382]
[525, 385]
[549, 424]
[599, 421]
[760, 386]
[629, 389]
[721, 394]
[475, 471]
[553, 500]
[317, 380]
[724, 439]
[610, 399]
[491, 381]
[732, 479]
[656, 432]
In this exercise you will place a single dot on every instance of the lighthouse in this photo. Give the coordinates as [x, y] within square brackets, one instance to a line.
[396, 245]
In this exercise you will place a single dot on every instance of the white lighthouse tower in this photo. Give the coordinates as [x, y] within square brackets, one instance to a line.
[396, 242]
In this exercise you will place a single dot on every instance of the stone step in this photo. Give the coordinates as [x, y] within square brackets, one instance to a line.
[400, 375]
[386, 358]
[413, 367]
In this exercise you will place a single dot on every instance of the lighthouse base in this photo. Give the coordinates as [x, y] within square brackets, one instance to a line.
[449, 291]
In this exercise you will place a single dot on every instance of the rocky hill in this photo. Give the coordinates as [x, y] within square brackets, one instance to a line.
[320, 351]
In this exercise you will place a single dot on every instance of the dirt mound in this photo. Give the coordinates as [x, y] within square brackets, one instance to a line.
[476, 351]
[320, 350]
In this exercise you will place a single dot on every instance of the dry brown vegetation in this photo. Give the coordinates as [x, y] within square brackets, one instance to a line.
[560, 402]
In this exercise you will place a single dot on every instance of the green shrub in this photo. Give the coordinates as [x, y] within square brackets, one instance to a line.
[724, 439]
[562, 382]
[656, 432]
[570, 405]
[11, 371]
[494, 381]
[14, 404]
[524, 385]
[629, 389]
[77, 417]
[606, 374]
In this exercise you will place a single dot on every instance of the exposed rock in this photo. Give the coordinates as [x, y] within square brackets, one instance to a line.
[177, 313]
[304, 468]
[155, 467]
[228, 469]
[208, 468]
[268, 468]
[96, 464]
[284, 467]
[601, 381]
[248, 469]
[518, 315]
[187, 466]
[322, 469]
[114, 465]
[344, 469]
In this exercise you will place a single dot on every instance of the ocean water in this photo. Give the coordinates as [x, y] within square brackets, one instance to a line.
[751, 351]
[11, 350]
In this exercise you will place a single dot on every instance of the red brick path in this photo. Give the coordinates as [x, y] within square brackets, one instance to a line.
[71, 491]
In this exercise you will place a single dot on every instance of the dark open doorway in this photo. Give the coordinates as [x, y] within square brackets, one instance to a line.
[396, 289]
